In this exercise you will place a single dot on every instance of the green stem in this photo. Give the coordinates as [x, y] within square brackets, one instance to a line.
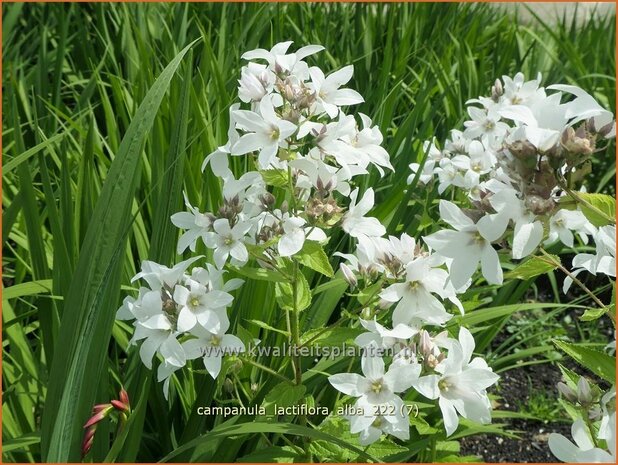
[580, 284]
[267, 370]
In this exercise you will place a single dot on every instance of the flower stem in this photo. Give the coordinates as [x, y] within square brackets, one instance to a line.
[268, 370]
[580, 284]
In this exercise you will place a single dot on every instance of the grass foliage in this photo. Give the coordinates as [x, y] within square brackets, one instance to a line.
[108, 112]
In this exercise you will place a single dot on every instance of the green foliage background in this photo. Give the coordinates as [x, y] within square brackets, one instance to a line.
[90, 180]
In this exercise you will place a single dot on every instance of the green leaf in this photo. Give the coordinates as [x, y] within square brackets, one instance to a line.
[422, 426]
[275, 177]
[333, 337]
[283, 395]
[259, 274]
[599, 209]
[604, 208]
[19, 159]
[42, 286]
[12, 444]
[275, 454]
[284, 293]
[267, 327]
[225, 431]
[93, 294]
[313, 256]
[598, 362]
[592, 314]
[534, 266]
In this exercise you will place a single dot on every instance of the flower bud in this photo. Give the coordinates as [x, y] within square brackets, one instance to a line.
[348, 275]
[497, 90]
[425, 344]
[228, 385]
[366, 313]
[584, 393]
[568, 393]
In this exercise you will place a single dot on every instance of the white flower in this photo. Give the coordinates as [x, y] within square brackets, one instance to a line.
[158, 335]
[377, 386]
[527, 233]
[389, 418]
[468, 245]
[562, 223]
[199, 305]
[328, 95]
[381, 337]
[434, 155]
[160, 276]
[366, 145]
[584, 106]
[402, 248]
[294, 235]
[218, 159]
[255, 82]
[211, 346]
[583, 451]
[278, 60]
[603, 261]
[479, 161]
[266, 132]
[486, 125]
[195, 224]
[415, 298]
[517, 91]
[228, 241]
[460, 385]
[354, 221]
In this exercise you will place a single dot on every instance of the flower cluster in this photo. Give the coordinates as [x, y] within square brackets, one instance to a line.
[177, 315]
[398, 272]
[521, 151]
[302, 140]
[292, 126]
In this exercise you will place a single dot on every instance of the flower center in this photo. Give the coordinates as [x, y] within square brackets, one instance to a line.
[444, 385]
[275, 133]
[194, 302]
[215, 341]
[229, 240]
[489, 125]
[377, 386]
[478, 239]
[413, 285]
[377, 422]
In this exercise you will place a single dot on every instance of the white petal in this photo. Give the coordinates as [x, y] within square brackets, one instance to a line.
[452, 214]
[213, 365]
[490, 265]
[351, 384]
[451, 420]
[401, 378]
[526, 238]
[428, 386]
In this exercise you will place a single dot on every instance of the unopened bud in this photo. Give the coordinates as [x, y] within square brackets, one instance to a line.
[497, 90]
[568, 393]
[124, 397]
[120, 406]
[425, 344]
[228, 385]
[584, 393]
[348, 275]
